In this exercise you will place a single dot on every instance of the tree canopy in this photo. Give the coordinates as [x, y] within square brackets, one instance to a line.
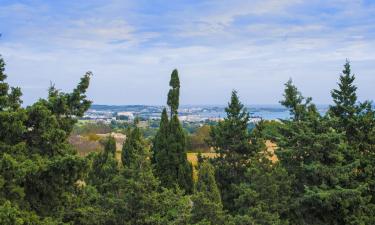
[324, 172]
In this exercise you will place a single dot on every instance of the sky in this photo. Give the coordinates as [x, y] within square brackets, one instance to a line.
[132, 47]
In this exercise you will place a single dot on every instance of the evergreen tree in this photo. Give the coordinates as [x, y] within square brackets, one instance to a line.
[356, 121]
[139, 189]
[133, 145]
[180, 168]
[38, 168]
[104, 169]
[169, 145]
[345, 107]
[143, 201]
[264, 195]
[231, 140]
[207, 205]
[160, 151]
[314, 156]
[174, 93]
[299, 106]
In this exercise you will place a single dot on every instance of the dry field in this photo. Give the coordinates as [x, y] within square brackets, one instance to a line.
[193, 157]
[85, 146]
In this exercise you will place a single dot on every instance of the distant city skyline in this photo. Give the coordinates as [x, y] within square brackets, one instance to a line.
[217, 46]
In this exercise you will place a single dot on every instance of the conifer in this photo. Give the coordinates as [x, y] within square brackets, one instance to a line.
[169, 145]
[231, 140]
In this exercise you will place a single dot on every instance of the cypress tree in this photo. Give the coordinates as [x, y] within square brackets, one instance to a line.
[169, 145]
[174, 93]
[142, 199]
[180, 168]
[159, 148]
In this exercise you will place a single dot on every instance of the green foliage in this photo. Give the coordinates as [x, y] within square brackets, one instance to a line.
[231, 140]
[38, 168]
[103, 172]
[299, 106]
[268, 130]
[174, 92]
[159, 149]
[356, 122]
[345, 99]
[139, 187]
[325, 172]
[169, 145]
[316, 156]
[207, 205]
[10, 214]
[133, 146]
[265, 194]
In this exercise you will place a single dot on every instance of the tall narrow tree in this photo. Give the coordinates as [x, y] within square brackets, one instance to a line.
[174, 93]
[159, 150]
[143, 200]
[169, 146]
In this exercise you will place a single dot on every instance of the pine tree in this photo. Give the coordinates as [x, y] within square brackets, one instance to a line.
[345, 99]
[231, 140]
[313, 154]
[357, 122]
[169, 144]
[207, 205]
[299, 107]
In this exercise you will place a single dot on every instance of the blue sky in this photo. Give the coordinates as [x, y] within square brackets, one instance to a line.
[132, 47]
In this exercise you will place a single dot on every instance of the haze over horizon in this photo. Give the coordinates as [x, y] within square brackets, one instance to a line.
[133, 46]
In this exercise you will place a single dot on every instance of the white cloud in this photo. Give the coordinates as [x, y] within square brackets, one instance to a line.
[132, 52]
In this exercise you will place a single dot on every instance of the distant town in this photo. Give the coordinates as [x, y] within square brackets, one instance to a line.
[190, 113]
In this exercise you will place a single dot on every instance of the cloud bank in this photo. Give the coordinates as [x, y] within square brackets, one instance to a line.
[132, 47]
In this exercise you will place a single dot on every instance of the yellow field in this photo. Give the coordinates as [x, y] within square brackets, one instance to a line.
[192, 157]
